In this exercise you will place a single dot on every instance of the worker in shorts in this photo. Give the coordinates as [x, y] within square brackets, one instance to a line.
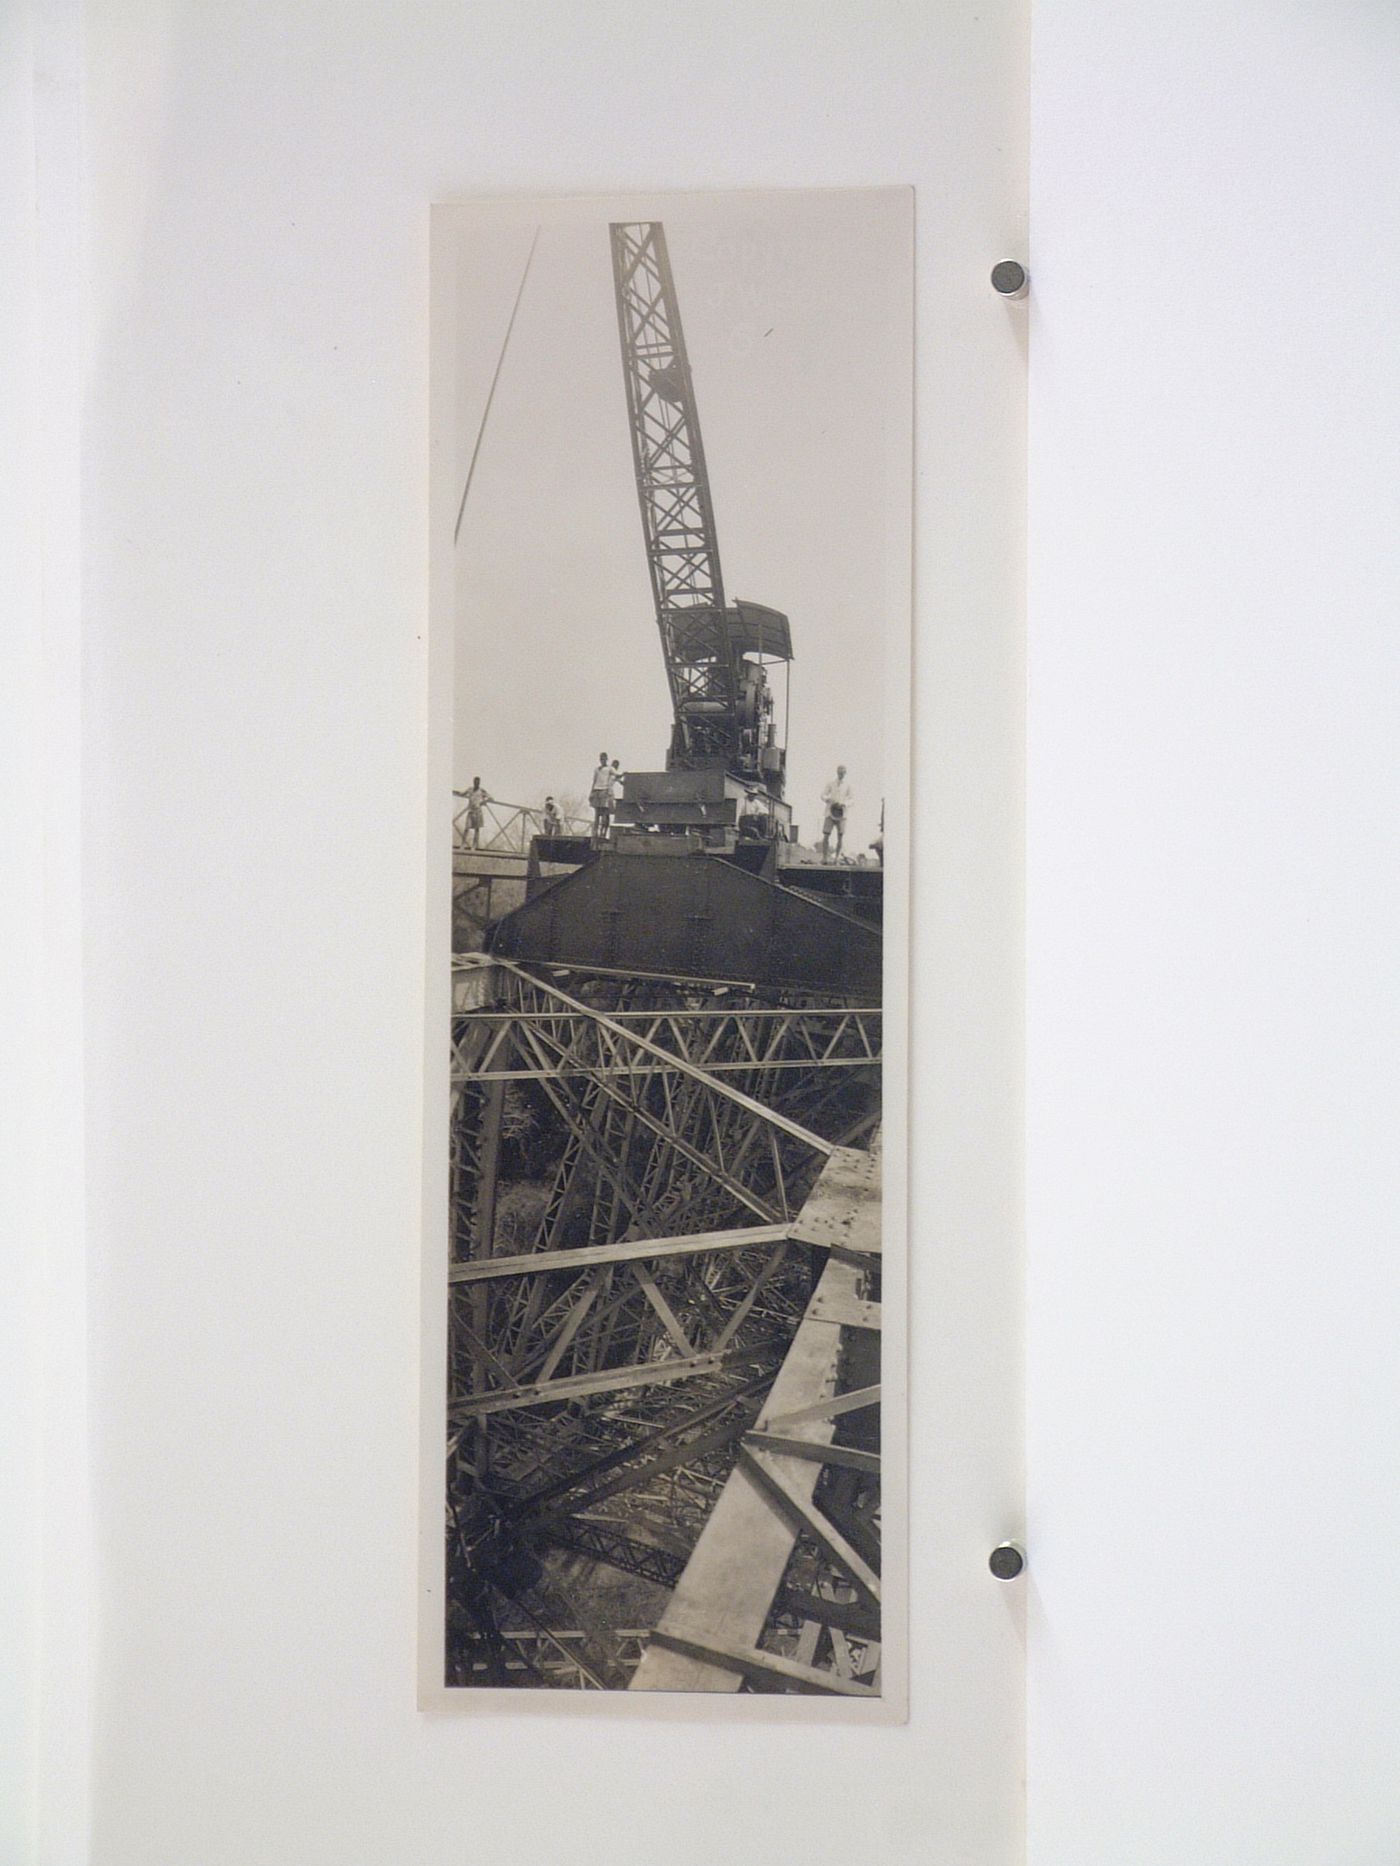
[552, 824]
[836, 800]
[600, 792]
[477, 800]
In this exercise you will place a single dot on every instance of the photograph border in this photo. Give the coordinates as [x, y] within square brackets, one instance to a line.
[447, 222]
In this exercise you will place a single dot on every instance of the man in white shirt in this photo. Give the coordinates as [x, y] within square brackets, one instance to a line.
[837, 801]
[753, 815]
[600, 798]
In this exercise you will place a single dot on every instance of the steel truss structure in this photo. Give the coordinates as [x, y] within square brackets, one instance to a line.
[655, 1275]
[490, 872]
[509, 828]
[678, 520]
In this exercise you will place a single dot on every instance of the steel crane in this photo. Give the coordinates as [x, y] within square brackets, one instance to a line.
[716, 654]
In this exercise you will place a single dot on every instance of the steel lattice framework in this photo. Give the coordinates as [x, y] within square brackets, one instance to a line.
[611, 1356]
[509, 828]
[678, 519]
[730, 1040]
[783, 1589]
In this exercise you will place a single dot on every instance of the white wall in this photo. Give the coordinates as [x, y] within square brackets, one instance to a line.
[255, 597]
[1213, 913]
[1214, 922]
[45, 1545]
[21, 943]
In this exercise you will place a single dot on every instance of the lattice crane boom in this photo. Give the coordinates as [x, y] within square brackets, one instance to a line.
[719, 697]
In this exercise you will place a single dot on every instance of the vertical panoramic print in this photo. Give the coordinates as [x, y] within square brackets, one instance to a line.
[676, 432]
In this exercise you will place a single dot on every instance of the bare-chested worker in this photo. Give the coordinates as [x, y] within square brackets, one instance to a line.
[836, 799]
[477, 800]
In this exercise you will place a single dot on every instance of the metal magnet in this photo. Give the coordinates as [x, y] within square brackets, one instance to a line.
[1010, 278]
[1007, 1560]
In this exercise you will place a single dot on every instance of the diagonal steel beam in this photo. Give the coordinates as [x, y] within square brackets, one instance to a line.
[756, 1108]
[606, 1380]
[629, 1250]
[732, 1656]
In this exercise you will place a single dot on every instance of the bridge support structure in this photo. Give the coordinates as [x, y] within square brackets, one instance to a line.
[639, 1168]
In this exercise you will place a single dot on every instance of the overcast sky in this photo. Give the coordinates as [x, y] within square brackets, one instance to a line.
[796, 316]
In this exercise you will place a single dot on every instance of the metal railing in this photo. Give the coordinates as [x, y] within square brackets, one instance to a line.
[506, 828]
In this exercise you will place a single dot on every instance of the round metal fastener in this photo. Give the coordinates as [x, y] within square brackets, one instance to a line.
[1007, 1560]
[1010, 278]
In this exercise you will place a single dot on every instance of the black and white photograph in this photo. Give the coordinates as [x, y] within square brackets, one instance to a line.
[672, 570]
[699, 1076]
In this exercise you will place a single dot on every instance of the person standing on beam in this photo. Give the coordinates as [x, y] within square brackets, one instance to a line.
[836, 800]
[600, 792]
